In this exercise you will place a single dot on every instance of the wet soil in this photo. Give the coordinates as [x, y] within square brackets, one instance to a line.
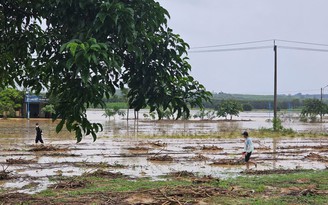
[5, 175]
[20, 161]
[317, 157]
[23, 162]
[153, 158]
[177, 195]
[196, 194]
[105, 174]
[165, 158]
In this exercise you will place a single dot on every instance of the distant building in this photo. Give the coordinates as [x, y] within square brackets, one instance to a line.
[32, 107]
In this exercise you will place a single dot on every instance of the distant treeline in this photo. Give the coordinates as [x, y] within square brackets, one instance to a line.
[249, 102]
[259, 104]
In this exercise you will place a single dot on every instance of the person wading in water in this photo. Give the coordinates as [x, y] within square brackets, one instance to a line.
[248, 149]
[38, 134]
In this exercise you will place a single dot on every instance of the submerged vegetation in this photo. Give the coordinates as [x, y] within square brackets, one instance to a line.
[102, 182]
[260, 133]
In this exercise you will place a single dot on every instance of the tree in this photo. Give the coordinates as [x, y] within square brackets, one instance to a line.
[312, 108]
[49, 110]
[229, 107]
[247, 107]
[205, 114]
[10, 101]
[87, 49]
[111, 112]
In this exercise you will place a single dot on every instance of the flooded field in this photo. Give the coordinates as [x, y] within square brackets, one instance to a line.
[122, 148]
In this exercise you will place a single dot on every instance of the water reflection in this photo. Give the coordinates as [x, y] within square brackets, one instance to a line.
[23, 130]
[18, 131]
[246, 120]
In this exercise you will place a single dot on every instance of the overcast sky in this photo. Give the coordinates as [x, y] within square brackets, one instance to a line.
[219, 22]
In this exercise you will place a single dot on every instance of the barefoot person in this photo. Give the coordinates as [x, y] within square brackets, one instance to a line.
[38, 134]
[248, 149]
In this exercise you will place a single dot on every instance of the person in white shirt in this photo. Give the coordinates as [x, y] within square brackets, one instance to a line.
[248, 149]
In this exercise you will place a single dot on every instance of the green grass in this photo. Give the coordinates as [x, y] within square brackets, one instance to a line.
[283, 180]
[101, 184]
[274, 189]
[266, 189]
[284, 200]
[262, 184]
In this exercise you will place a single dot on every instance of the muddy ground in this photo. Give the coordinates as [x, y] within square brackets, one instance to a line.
[201, 192]
[27, 167]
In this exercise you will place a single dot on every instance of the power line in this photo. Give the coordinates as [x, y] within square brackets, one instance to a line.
[261, 41]
[231, 44]
[258, 47]
[301, 48]
[300, 42]
[230, 49]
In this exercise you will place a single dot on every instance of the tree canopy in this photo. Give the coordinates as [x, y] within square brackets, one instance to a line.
[11, 100]
[229, 107]
[312, 108]
[81, 51]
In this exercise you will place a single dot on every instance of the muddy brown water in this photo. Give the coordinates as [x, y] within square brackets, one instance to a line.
[133, 155]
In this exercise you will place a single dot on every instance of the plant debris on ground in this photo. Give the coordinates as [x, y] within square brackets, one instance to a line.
[228, 162]
[20, 161]
[138, 149]
[102, 173]
[39, 148]
[305, 187]
[200, 157]
[4, 175]
[71, 184]
[317, 157]
[211, 148]
[160, 158]
[158, 144]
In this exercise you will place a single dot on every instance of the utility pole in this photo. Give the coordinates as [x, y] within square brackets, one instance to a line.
[321, 109]
[28, 103]
[275, 87]
[321, 102]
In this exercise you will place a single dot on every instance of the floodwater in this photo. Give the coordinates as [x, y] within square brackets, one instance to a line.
[246, 120]
[121, 147]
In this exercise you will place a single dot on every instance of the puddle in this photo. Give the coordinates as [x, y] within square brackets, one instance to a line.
[28, 186]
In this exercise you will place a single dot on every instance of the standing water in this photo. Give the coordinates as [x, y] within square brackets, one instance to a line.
[122, 147]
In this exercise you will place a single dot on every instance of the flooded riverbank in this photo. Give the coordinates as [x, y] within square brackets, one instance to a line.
[21, 130]
[152, 158]
[123, 148]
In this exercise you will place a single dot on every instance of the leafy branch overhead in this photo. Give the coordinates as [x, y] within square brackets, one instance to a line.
[81, 51]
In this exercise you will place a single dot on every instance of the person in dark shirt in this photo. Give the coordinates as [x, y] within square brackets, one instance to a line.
[38, 134]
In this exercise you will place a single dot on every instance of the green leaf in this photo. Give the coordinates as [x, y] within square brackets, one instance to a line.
[69, 63]
[95, 47]
[60, 125]
[62, 48]
[94, 58]
[72, 47]
[78, 134]
[94, 136]
[102, 16]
